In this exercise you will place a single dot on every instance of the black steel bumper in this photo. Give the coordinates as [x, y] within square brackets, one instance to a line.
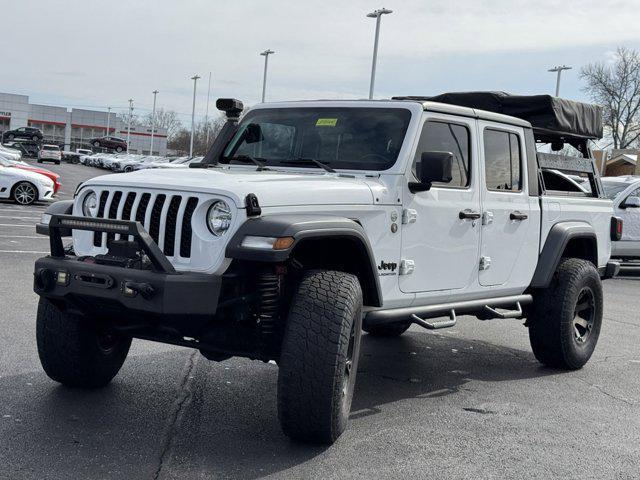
[97, 288]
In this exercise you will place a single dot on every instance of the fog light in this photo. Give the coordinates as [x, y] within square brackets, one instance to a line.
[62, 278]
[127, 291]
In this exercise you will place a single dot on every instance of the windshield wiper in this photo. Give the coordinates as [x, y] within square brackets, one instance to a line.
[305, 161]
[245, 158]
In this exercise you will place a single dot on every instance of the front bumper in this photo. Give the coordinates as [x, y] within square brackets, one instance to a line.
[159, 294]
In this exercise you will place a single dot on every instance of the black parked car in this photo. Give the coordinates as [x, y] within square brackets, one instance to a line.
[27, 133]
[111, 143]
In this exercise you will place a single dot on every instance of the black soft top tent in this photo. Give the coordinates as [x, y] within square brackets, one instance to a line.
[552, 118]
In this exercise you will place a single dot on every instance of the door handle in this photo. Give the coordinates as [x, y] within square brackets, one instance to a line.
[469, 214]
[518, 215]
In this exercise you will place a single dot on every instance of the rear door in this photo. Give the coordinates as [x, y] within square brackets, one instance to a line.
[507, 224]
[442, 243]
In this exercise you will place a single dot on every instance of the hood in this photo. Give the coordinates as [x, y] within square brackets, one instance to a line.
[42, 171]
[273, 188]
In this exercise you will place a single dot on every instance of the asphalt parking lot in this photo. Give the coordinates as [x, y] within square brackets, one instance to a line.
[469, 402]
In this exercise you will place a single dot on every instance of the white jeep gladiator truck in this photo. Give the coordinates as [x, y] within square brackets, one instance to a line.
[309, 222]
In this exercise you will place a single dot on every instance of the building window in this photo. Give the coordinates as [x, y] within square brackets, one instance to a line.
[502, 161]
[4, 124]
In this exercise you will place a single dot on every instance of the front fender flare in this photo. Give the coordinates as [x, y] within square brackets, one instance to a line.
[301, 228]
[61, 207]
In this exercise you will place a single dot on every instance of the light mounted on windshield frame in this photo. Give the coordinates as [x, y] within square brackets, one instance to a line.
[230, 106]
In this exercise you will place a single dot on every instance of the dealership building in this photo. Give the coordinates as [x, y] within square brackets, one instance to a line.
[73, 128]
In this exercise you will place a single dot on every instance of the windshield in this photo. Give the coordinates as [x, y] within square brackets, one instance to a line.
[613, 189]
[348, 138]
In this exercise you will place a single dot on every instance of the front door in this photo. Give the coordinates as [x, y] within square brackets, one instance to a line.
[441, 231]
[630, 217]
[506, 219]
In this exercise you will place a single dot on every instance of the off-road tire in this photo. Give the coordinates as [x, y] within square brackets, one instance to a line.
[73, 352]
[321, 339]
[552, 331]
[387, 331]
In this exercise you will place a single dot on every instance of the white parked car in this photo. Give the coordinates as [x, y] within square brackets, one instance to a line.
[50, 153]
[130, 164]
[10, 153]
[23, 186]
[625, 193]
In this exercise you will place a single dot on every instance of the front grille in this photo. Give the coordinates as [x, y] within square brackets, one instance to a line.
[97, 236]
[154, 226]
[167, 219]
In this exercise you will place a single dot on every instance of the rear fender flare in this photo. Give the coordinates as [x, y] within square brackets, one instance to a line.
[560, 235]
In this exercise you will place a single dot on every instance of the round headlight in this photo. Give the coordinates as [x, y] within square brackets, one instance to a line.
[219, 218]
[90, 205]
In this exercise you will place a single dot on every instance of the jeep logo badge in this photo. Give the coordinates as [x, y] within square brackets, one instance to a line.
[387, 268]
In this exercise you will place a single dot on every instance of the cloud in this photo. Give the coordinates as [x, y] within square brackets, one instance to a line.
[93, 53]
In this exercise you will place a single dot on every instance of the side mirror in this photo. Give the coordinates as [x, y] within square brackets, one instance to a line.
[253, 133]
[432, 167]
[631, 202]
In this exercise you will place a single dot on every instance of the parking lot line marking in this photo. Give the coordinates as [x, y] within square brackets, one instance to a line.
[39, 237]
[19, 218]
[20, 210]
[10, 225]
[23, 251]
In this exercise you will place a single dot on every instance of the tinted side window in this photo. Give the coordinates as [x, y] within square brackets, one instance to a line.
[502, 161]
[448, 137]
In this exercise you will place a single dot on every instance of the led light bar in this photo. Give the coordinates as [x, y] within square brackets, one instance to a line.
[103, 226]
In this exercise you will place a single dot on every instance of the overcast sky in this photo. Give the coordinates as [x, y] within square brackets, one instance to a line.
[86, 53]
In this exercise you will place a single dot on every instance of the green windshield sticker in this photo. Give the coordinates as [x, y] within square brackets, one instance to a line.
[326, 122]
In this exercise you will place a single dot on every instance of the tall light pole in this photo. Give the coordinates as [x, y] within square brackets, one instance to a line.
[193, 114]
[265, 54]
[377, 14]
[129, 124]
[559, 70]
[153, 120]
[206, 113]
[108, 120]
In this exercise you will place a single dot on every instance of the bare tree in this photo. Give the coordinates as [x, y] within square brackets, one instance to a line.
[181, 139]
[124, 118]
[616, 88]
[167, 119]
